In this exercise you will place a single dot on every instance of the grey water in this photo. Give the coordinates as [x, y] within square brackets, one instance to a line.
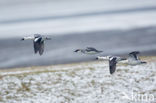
[60, 50]
[109, 12]
[24, 17]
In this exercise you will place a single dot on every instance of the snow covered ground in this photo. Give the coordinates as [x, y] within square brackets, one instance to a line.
[88, 82]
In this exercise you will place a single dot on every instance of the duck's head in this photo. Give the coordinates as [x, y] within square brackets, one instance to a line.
[78, 50]
[22, 39]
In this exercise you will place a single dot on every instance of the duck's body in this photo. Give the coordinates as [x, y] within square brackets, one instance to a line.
[38, 41]
[38, 44]
[112, 64]
[88, 50]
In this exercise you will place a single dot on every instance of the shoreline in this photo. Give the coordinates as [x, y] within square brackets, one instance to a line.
[145, 58]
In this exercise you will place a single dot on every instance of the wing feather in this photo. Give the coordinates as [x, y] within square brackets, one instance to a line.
[36, 47]
[41, 48]
[134, 55]
[112, 65]
[91, 49]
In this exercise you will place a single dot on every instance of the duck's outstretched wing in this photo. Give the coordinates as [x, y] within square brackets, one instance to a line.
[41, 48]
[36, 47]
[134, 55]
[27, 38]
[112, 64]
[91, 48]
[37, 35]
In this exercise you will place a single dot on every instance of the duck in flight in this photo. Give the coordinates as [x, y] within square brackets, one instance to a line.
[133, 59]
[88, 50]
[38, 41]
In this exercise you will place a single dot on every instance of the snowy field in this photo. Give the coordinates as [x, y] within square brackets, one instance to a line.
[72, 24]
[88, 82]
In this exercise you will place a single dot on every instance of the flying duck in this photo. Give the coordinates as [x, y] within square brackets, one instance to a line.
[112, 64]
[88, 50]
[133, 59]
[38, 41]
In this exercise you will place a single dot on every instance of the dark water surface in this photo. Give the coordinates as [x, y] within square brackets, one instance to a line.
[16, 53]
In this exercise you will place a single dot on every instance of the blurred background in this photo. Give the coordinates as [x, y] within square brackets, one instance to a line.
[116, 27]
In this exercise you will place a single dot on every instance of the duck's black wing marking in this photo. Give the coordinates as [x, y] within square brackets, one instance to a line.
[41, 48]
[91, 49]
[134, 55]
[36, 47]
[112, 64]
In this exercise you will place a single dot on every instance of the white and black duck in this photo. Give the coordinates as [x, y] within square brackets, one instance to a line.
[38, 41]
[132, 59]
[88, 50]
